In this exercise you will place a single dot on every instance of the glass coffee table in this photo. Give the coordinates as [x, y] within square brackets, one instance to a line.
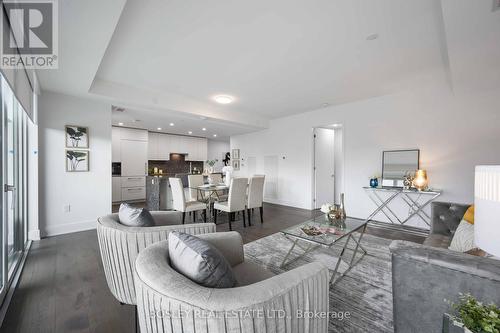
[327, 236]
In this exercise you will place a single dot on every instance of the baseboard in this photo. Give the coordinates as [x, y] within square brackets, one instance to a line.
[285, 203]
[67, 228]
[34, 235]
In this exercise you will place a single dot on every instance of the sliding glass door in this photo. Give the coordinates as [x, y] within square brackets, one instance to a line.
[14, 169]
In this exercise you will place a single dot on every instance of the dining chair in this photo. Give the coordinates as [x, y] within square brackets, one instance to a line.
[193, 182]
[180, 203]
[255, 196]
[236, 201]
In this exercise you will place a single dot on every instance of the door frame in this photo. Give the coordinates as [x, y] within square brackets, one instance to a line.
[313, 160]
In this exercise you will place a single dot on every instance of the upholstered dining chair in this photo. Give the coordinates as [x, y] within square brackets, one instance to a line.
[255, 196]
[236, 201]
[194, 181]
[180, 203]
[119, 246]
[260, 302]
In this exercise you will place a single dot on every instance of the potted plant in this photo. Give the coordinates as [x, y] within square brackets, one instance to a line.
[469, 315]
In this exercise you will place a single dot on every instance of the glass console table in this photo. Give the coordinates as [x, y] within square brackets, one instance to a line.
[415, 200]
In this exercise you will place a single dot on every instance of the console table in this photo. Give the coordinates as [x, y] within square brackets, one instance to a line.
[412, 198]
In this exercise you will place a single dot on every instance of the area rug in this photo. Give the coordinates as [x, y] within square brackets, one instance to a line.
[365, 293]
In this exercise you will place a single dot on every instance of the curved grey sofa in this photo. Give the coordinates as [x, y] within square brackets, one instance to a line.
[120, 245]
[169, 302]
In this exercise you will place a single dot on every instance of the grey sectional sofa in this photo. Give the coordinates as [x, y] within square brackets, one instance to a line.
[425, 276]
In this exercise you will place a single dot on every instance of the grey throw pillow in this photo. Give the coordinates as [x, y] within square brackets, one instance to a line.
[199, 261]
[135, 217]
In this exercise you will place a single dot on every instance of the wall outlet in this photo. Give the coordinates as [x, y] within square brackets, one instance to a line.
[67, 208]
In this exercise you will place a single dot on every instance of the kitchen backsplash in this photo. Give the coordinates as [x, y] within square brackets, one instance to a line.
[174, 166]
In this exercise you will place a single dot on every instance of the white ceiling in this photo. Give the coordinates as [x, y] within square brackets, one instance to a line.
[165, 60]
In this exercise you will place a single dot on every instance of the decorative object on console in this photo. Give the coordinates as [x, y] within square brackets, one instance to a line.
[374, 182]
[343, 213]
[420, 182]
[487, 208]
[77, 136]
[408, 180]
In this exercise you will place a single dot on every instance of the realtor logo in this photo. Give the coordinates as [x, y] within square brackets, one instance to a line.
[29, 34]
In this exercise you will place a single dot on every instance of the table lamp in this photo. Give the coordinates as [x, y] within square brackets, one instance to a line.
[487, 208]
[420, 181]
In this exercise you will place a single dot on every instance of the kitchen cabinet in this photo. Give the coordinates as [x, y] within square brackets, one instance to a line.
[137, 181]
[153, 146]
[164, 146]
[133, 134]
[134, 155]
[116, 192]
[133, 193]
[115, 144]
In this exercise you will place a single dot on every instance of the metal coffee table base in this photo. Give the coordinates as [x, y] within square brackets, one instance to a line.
[336, 275]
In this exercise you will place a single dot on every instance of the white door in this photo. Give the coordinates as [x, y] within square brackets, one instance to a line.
[134, 158]
[324, 166]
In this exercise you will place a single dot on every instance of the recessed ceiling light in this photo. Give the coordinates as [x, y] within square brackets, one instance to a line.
[120, 124]
[215, 135]
[203, 129]
[190, 132]
[159, 128]
[171, 124]
[223, 99]
[372, 37]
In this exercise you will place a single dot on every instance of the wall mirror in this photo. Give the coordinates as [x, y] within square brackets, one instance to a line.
[396, 163]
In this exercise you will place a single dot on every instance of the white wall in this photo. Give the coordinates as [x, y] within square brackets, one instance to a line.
[454, 133]
[87, 193]
[215, 151]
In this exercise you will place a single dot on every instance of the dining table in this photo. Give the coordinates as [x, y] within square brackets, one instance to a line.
[209, 193]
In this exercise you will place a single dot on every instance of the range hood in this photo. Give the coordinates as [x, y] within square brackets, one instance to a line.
[178, 156]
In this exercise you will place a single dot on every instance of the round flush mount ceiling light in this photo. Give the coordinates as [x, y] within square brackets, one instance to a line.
[215, 135]
[223, 99]
[120, 124]
[171, 124]
[159, 128]
[190, 132]
[203, 129]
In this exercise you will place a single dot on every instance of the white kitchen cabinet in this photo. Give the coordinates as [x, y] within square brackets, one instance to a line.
[134, 158]
[115, 144]
[153, 140]
[116, 192]
[133, 193]
[191, 144]
[133, 134]
[201, 149]
[164, 147]
[133, 181]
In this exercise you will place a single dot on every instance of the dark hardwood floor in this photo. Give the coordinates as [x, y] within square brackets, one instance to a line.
[63, 288]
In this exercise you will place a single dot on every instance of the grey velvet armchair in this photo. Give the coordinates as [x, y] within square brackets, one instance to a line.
[119, 246]
[261, 302]
[424, 276]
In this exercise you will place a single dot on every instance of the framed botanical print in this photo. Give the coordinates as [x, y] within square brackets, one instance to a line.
[77, 160]
[236, 154]
[236, 165]
[76, 136]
